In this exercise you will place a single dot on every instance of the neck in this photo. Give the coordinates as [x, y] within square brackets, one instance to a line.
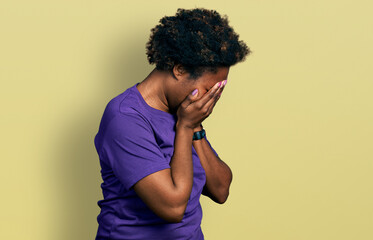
[152, 88]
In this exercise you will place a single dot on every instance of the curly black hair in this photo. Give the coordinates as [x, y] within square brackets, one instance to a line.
[198, 39]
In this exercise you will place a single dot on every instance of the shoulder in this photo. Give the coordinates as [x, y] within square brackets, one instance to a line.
[125, 106]
[129, 122]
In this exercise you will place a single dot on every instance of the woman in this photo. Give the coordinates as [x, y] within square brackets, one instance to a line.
[155, 157]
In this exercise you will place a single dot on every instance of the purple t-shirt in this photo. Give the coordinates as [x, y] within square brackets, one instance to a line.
[133, 141]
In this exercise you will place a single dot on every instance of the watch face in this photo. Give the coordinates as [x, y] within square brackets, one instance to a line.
[199, 135]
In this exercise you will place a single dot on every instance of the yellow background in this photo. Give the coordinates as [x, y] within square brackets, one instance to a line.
[294, 122]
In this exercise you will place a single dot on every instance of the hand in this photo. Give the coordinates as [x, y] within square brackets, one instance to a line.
[200, 127]
[193, 110]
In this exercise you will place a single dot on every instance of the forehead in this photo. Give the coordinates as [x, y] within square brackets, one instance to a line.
[209, 79]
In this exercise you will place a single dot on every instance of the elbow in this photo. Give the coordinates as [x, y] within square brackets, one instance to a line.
[173, 209]
[176, 219]
[175, 214]
[224, 192]
[223, 197]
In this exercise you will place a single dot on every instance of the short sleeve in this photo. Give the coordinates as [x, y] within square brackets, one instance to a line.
[131, 149]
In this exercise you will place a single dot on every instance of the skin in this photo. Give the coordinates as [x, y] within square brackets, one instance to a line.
[167, 192]
[162, 91]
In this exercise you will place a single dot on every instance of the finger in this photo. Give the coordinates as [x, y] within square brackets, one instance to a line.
[222, 87]
[211, 104]
[190, 98]
[220, 90]
[211, 107]
[216, 99]
[209, 95]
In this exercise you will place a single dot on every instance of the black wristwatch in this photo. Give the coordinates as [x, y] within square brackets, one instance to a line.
[199, 135]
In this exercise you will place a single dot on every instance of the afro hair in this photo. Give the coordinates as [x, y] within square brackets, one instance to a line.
[198, 39]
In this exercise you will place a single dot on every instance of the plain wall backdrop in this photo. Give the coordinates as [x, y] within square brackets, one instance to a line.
[294, 122]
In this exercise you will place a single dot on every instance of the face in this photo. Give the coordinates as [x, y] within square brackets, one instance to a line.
[184, 86]
[207, 81]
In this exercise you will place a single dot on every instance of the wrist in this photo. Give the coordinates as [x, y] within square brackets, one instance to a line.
[199, 135]
[199, 128]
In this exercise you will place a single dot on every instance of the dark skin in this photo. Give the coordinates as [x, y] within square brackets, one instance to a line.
[161, 91]
[167, 192]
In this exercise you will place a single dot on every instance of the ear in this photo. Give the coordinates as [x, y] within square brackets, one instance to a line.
[178, 70]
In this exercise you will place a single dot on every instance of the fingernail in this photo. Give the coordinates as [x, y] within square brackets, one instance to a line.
[224, 82]
[195, 91]
[219, 84]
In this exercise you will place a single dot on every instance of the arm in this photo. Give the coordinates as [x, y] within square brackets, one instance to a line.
[218, 174]
[167, 192]
[130, 146]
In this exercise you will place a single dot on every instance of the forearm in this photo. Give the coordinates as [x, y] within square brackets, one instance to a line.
[218, 173]
[182, 164]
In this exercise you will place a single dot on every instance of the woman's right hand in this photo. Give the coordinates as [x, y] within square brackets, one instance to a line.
[193, 110]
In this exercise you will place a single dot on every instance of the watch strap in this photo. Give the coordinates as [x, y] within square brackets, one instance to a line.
[199, 135]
